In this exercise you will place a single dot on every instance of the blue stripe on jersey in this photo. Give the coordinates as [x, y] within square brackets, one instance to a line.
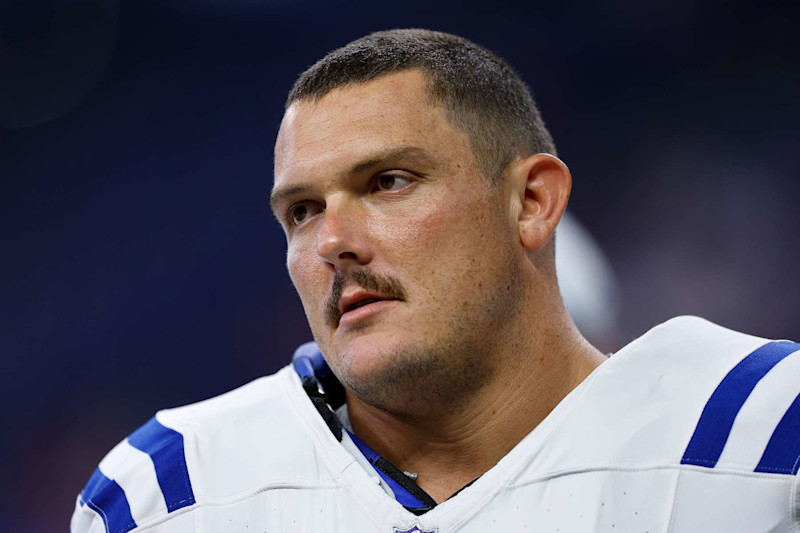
[165, 448]
[108, 500]
[716, 421]
[405, 498]
[782, 455]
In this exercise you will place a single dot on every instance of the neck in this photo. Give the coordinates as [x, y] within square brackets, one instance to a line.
[449, 448]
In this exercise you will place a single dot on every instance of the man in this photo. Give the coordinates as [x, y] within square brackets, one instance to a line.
[419, 192]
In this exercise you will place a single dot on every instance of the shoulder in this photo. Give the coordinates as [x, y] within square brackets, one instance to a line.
[213, 449]
[693, 418]
[689, 340]
[747, 390]
[694, 393]
[726, 406]
[692, 354]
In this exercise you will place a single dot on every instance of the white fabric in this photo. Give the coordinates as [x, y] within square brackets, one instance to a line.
[133, 470]
[769, 400]
[85, 520]
[608, 458]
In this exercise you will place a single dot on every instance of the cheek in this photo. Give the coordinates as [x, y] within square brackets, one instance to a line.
[440, 237]
[457, 226]
[305, 272]
[408, 237]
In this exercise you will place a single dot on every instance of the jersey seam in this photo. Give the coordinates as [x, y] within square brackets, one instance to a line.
[221, 502]
[767, 470]
[674, 500]
[102, 514]
[95, 515]
[632, 468]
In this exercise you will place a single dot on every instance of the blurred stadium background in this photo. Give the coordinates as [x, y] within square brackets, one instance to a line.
[141, 267]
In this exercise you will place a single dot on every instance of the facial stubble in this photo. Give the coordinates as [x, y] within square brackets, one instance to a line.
[420, 378]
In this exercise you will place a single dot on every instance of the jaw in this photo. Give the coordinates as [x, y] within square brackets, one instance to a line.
[360, 351]
[412, 377]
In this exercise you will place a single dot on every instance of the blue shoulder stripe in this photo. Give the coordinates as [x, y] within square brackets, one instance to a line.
[107, 499]
[165, 448]
[716, 421]
[782, 455]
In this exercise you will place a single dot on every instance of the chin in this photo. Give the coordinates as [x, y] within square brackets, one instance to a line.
[407, 379]
[365, 356]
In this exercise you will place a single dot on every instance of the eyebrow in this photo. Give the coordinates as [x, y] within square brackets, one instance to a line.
[418, 155]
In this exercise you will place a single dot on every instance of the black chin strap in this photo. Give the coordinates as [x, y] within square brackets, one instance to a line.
[320, 401]
[321, 398]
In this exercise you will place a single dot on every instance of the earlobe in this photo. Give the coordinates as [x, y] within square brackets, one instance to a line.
[544, 196]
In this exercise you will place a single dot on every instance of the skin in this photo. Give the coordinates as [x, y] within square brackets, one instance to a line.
[376, 190]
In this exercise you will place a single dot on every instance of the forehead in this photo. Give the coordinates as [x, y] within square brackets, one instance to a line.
[350, 124]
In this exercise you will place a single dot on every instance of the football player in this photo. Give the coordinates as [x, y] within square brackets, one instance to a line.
[448, 388]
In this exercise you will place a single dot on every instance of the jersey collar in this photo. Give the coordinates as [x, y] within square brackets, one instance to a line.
[327, 394]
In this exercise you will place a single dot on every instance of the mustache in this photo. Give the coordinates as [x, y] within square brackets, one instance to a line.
[368, 280]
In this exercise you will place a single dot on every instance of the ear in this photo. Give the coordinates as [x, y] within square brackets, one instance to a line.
[547, 184]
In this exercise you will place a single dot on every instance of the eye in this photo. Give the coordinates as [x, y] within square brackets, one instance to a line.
[299, 213]
[391, 182]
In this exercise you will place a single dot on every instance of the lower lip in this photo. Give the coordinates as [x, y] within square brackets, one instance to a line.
[364, 312]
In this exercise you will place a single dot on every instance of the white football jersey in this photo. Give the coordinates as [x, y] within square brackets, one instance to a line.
[690, 428]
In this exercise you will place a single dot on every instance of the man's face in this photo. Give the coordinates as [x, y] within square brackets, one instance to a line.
[407, 262]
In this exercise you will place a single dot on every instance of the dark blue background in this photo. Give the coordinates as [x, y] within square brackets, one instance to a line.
[142, 268]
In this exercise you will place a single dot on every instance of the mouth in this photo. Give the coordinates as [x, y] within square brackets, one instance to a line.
[358, 295]
[362, 303]
[349, 305]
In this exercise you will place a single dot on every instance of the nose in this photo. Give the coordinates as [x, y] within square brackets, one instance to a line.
[343, 238]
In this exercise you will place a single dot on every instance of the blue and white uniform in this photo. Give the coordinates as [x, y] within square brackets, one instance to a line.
[691, 427]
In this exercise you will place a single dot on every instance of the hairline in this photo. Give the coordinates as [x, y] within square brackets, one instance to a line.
[440, 101]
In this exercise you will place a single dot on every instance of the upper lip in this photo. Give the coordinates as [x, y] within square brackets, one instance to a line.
[347, 302]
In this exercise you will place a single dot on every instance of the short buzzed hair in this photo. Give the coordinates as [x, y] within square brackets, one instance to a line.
[480, 93]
